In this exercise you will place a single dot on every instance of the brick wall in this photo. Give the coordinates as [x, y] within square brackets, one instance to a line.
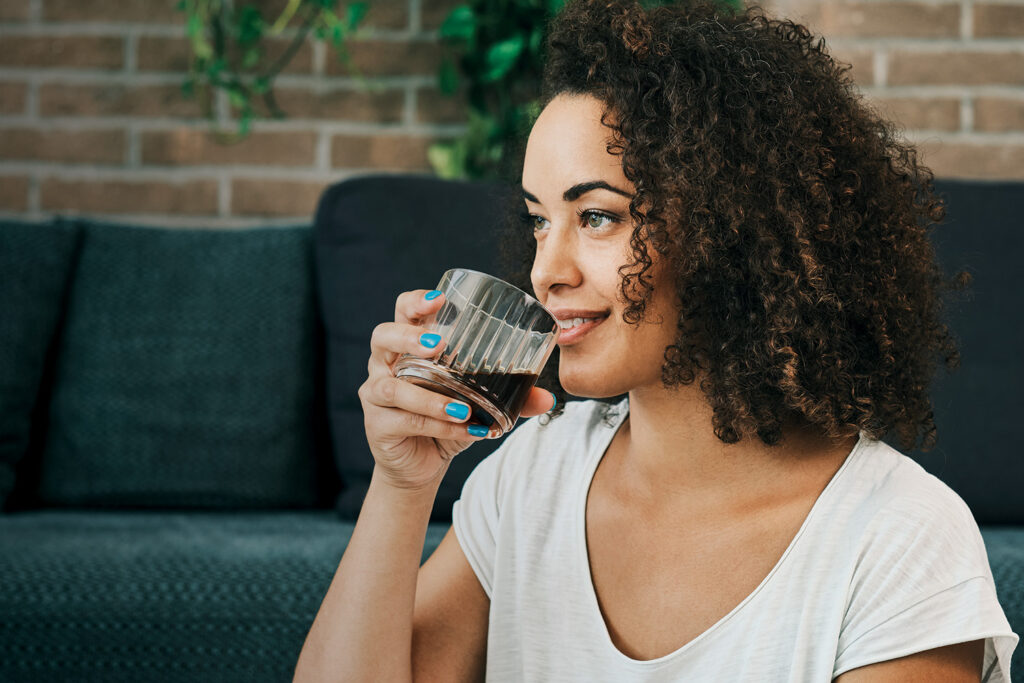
[949, 72]
[92, 120]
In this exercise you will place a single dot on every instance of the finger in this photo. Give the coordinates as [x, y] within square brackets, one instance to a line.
[414, 307]
[413, 410]
[538, 402]
[391, 340]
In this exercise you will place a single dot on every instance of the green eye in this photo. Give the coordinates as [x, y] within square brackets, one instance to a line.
[590, 215]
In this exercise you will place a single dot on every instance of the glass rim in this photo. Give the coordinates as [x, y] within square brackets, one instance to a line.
[507, 284]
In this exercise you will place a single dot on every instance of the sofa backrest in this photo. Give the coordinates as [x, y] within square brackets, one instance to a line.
[378, 236]
[187, 373]
[978, 406]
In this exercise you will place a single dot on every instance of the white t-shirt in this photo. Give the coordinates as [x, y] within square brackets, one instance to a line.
[888, 562]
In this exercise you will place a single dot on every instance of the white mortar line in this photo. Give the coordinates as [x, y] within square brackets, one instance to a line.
[322, 161]
[112, 28]
[67, 171]
[415, 16]
[131, 49]
[319, 59]
[35, 11]
[32, 100]
[33, 193]
[165, 124]
[166, 220]
[967, 19]
[881, 67]
[134, 147]
[224, 195]
[162, 77]
[928, 45]
[409, 111]
[967, 114]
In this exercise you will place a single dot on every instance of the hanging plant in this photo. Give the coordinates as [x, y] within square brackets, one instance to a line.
[494, 55]
[228, 52]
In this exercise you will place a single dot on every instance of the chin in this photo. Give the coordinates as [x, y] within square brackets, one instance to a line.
[584, 386]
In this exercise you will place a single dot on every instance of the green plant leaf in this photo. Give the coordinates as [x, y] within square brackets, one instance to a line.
[459, 25]
[249, 25]
[501, 57]
[448, 159]
[180, 6]
[200, 46]
[354, 14]
[252, 58]
[555, 6]
[537, 40]
[215, 67]
[448, 77]
[237, 99]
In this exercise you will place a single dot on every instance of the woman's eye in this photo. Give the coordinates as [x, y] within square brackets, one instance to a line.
[589, 216]
[595, 219]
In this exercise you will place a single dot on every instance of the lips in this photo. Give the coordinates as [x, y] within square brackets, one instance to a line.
[571, 335]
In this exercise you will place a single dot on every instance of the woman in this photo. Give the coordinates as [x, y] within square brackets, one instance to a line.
[750, 241]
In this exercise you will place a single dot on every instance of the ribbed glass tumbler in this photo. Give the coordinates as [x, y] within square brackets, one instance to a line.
[498, 340]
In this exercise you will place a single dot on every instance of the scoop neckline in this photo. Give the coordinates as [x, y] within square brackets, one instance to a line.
[583, 554]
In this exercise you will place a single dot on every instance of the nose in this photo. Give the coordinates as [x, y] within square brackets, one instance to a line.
[556, 259]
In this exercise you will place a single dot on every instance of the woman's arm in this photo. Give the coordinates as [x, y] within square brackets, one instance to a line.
[363, 630]
[960, 663]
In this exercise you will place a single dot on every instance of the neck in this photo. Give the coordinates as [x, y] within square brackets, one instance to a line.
[668, 454]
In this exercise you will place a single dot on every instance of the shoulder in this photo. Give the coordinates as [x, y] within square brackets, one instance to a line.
[916, 557]
[545, 451]
[911, 527]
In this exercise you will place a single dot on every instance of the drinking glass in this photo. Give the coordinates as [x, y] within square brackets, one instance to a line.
[498, 340]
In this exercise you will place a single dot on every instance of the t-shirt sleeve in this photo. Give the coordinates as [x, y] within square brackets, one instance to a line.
[922, 581]
[475, 515]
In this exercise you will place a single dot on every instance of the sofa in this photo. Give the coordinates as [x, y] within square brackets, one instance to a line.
[181, 449]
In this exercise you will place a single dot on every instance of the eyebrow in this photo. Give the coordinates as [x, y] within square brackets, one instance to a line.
[580, 189]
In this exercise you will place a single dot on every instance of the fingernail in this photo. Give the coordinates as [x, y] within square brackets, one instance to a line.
[477, 430]
[457, 410]
[553, 399]
[433, 294]
[430, 340]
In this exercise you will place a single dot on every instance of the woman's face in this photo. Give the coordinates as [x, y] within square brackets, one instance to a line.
[582, 235]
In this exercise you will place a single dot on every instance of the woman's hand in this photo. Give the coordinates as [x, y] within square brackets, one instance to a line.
[411, 436]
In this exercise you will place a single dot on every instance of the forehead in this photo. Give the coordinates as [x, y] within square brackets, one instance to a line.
[568, 139]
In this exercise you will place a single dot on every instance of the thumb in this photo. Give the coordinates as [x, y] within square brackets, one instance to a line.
[538, 402]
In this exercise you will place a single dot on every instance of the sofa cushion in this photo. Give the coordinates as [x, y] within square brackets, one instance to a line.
[36, 260]
[376, 237]
[172, 596]
[978, 405]
[156, 596]
[186, 372]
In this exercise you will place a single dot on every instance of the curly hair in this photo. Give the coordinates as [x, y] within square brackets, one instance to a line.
[793, 218]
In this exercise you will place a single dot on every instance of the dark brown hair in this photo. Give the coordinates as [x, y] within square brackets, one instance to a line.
[792, 217]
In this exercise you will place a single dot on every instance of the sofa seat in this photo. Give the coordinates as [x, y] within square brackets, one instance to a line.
[164, 596]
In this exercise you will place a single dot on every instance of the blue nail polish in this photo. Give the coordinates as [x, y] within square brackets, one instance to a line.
[430, 340]
[433, 294]
[457, 410]
[553, 398]
[477, 430]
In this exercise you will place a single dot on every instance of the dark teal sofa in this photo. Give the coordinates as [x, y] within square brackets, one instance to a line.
[181, 455]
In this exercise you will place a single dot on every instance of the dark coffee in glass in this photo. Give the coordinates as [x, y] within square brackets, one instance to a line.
[498, 339]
